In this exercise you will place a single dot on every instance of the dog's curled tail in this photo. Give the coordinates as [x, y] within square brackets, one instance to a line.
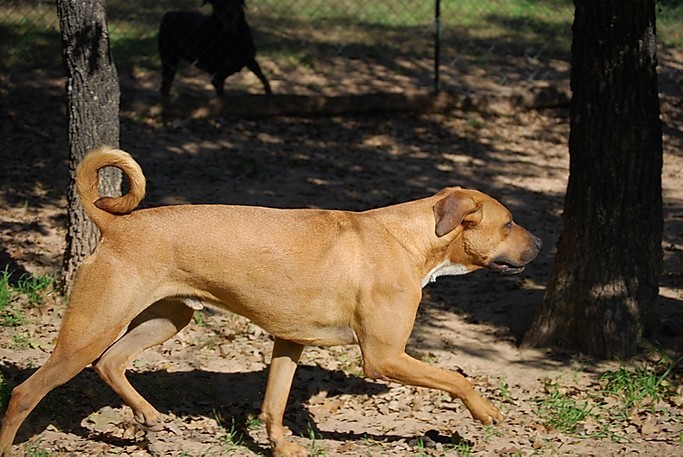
[101, 209]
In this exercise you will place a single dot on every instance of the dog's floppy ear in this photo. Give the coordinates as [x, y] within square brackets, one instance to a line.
[454, 209]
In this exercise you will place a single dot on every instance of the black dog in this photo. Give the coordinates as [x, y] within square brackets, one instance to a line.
[220, 44]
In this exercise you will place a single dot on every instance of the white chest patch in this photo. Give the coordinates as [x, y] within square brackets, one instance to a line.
[194, 303]
[445, 268]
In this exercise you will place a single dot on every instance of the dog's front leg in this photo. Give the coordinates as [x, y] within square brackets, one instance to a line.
[406, 370]
[281, 373]
[383, 335]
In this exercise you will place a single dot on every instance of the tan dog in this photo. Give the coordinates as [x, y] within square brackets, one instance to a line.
[306, 276]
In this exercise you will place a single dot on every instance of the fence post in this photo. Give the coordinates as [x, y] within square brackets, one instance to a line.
[437, 45]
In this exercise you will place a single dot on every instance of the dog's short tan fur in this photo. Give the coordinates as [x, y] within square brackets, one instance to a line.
[306, 276]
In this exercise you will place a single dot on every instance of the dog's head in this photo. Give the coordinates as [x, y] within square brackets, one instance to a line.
[229, 12]
[484, 234]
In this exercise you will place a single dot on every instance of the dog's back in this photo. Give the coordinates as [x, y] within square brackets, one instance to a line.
[205, 42]
[182, 34]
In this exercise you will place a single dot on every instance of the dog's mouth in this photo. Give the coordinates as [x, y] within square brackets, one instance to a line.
[505, 267]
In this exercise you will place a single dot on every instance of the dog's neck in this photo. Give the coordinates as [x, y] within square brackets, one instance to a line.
[445, 268]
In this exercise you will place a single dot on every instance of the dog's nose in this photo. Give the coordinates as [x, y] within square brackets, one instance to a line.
[538, 243]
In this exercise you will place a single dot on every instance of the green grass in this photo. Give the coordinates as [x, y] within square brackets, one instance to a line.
[230, 437]
[560, 411]
[670, 23]
[198, 318]
[30, 35]
[20, 342]
[5, 287]
[307, 32]
[314, 448]
[34, 450]
[463, 449]
[254, 422]
[28, 291]
[35, 287]
[385, 13]
[10, 316]
[601, 409]
[504, 388]
[635, 387]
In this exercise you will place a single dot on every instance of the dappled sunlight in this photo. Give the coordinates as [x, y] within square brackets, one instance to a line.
[484, 135]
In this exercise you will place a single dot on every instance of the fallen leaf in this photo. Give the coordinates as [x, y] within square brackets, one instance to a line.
[649, 426]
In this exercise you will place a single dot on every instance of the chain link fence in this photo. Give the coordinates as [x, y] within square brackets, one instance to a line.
[343, 47]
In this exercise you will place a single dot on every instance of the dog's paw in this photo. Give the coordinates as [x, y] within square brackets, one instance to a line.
[485, 412]
[287, 449]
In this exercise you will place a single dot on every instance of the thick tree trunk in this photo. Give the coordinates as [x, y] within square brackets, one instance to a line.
[93, 104]
[602, 293]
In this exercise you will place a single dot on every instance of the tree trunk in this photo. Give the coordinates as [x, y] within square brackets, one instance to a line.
[93, 104]
[604, 286]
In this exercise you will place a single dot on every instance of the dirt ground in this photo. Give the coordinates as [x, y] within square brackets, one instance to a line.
[210, 378]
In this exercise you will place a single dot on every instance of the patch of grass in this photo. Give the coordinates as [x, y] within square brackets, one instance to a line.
[669, 17]
[351, 363]
[5, 287]
[314, 447]
[9, 315]
[464, 449]
[30, 35]
[373, 444]
[34, 450]
[560, 411]
[231, 438]
[491, 431]
[33, 287]
[198, 318]
[634, 387]
[504, 388]
[606, 407]
[21, 342]
[254, 422]
[420, 445]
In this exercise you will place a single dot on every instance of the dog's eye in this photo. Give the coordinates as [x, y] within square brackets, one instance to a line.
[508, 226]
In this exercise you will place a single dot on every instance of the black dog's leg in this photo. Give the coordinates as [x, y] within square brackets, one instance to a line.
[169, 66]
[218, 80]
[256, 69]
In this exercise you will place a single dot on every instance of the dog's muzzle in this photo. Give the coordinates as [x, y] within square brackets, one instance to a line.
[505, 265]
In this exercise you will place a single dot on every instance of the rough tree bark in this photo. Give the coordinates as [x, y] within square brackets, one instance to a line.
[93, 108]
[602, 292]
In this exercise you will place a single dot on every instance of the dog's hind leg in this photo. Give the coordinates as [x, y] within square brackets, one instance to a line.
[169, 66]
[256, 69]
[70, 356]
[281, 372]
[218, 82]
[153, 326]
